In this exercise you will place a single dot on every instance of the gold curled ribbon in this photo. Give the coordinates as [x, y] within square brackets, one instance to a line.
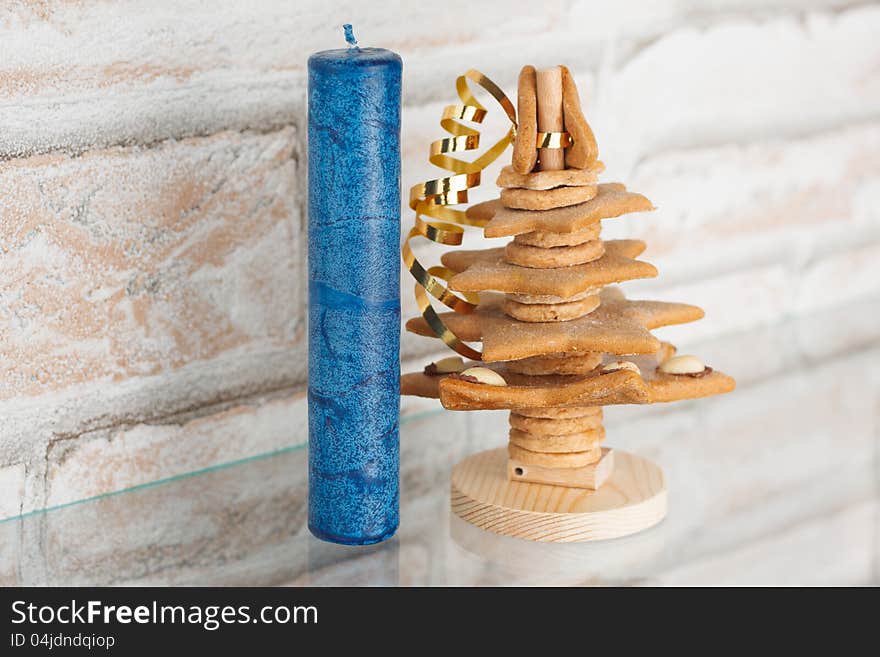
[436, 221]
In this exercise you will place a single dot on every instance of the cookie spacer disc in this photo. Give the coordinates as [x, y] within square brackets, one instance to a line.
[633, 499]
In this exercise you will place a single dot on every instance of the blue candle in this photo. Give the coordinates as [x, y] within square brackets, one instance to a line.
[354, 293]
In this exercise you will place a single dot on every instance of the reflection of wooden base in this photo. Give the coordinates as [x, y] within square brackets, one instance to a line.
[633, 499]
[590, 476]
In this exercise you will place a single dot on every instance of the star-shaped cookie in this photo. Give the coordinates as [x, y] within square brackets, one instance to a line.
[488, 270]
[611, 200]
[594, 389]
[617, 326]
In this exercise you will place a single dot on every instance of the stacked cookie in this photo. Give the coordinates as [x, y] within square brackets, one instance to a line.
[550, 250]
[567, 437]
[557, 344]
[537, 182]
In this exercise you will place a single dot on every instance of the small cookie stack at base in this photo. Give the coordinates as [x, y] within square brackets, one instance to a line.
[564, 450]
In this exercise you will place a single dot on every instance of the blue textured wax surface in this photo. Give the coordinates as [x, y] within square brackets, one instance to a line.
[354, 294]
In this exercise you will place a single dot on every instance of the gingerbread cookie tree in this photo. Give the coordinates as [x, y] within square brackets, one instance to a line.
[558, 345]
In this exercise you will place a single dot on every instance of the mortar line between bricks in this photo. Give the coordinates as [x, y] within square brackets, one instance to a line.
[188, 414]
[73, 151]
[194, 473]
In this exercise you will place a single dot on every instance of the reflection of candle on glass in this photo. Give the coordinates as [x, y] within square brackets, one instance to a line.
[354, 293]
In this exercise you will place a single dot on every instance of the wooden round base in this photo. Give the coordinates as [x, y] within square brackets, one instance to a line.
[633, 499]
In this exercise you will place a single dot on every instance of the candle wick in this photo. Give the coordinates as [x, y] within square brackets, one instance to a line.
[349, 35]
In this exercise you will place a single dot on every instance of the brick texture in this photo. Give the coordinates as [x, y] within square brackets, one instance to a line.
[130, 262]
[152, 197]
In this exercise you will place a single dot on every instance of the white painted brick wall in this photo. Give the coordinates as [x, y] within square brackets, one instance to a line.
[152, 193]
